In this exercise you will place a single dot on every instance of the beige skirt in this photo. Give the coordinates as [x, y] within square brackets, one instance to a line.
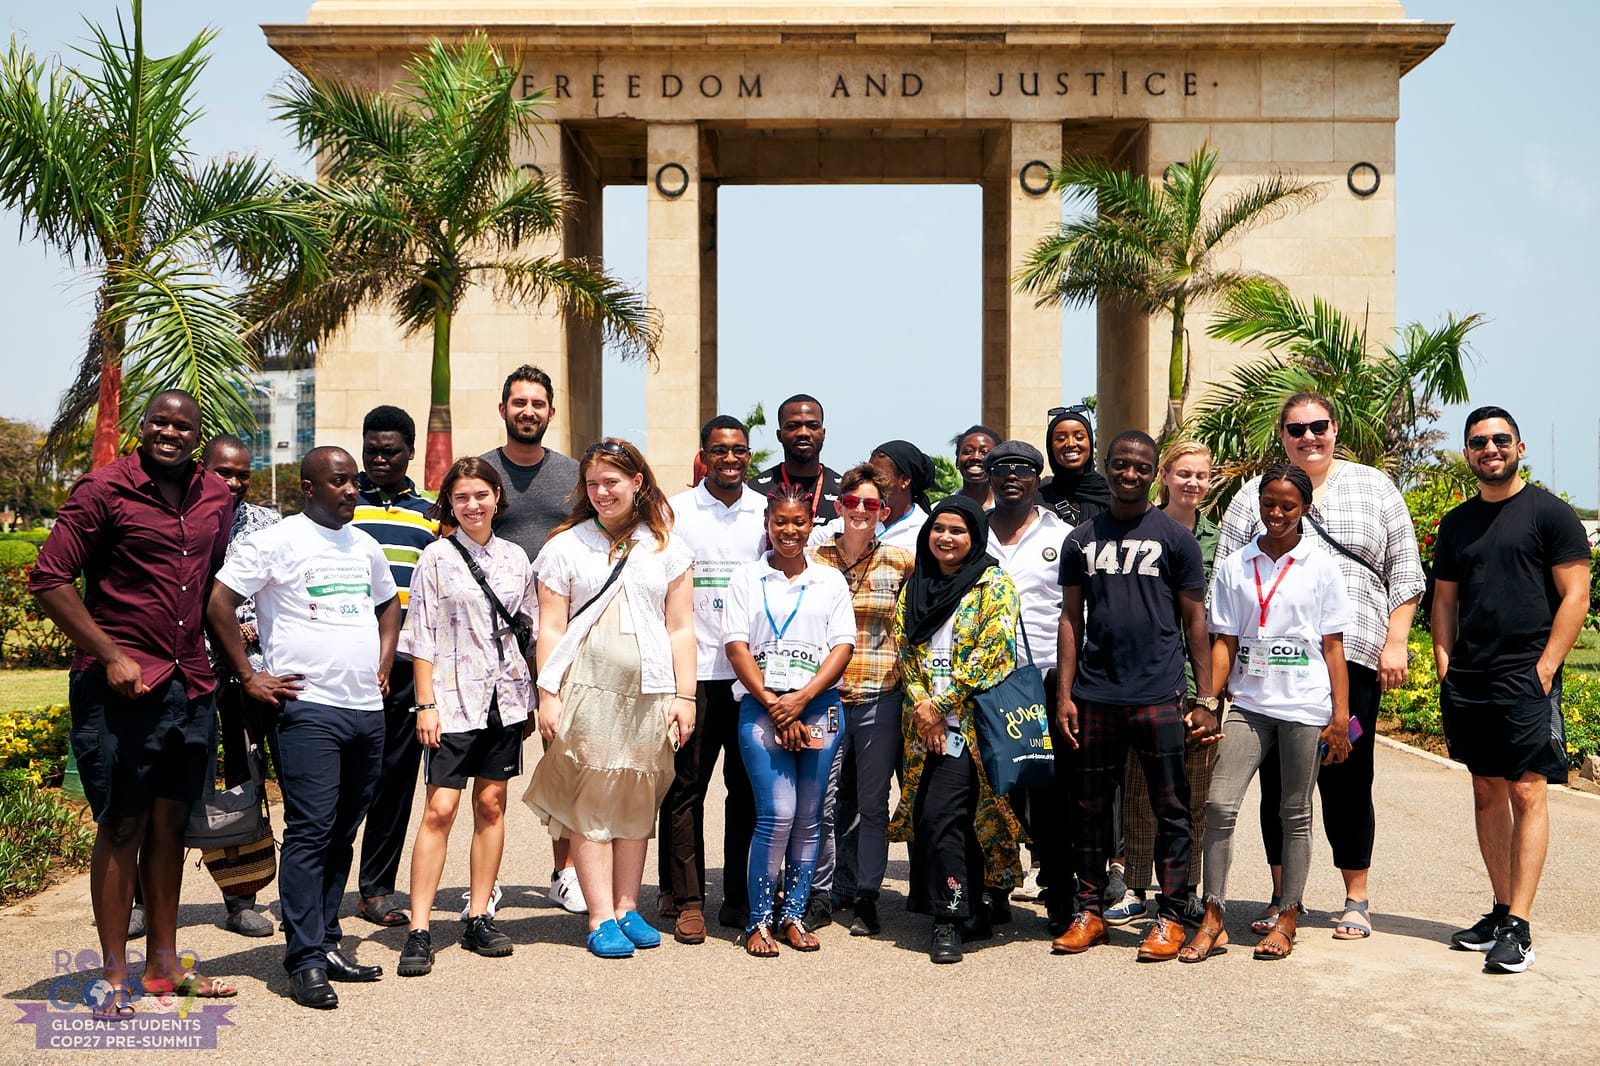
[610, 765]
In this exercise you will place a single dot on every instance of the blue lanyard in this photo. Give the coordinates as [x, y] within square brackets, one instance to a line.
[765, 606]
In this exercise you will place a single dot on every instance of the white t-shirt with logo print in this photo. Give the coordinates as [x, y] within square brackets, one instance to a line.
[814, 612]
[316, 590]
[723, 539]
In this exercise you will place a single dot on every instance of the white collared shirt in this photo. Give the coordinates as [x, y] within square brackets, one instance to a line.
[1034, 565]
[722, 538]
[576, 562]
[814, 610]
[1308, 604]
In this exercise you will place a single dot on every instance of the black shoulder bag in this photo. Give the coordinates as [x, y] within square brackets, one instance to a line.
[517, 627]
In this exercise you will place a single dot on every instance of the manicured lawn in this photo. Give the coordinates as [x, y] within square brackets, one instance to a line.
[32, 688]
[1585, 654]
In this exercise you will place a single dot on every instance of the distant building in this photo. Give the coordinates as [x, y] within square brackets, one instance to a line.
[285, 405]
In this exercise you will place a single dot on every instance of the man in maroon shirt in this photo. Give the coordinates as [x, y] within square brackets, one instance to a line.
[147, 533]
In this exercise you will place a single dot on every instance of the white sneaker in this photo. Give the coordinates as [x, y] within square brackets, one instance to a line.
[494, 902]
[1029, 889]
[565, 891]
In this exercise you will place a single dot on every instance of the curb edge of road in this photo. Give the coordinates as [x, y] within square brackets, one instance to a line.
[1451, 764]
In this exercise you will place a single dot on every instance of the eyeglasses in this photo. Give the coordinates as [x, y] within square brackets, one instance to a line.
[1299, 429]
[610, 447]
[1480, 442]
[723, 450]
[1013, 469]
[850, 501]
[1075, 409]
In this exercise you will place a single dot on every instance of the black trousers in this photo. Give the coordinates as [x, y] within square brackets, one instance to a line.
[946, 862]
[1345, 788]
[389, 815]
[681, 851]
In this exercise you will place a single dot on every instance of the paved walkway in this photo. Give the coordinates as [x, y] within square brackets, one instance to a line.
[1401, 996]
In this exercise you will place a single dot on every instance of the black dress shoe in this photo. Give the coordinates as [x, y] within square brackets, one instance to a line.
[343, 968]
[946, 944]
[310, 988]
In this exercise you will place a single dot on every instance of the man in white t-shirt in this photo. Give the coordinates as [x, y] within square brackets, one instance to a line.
[328, 612]
[722, 521]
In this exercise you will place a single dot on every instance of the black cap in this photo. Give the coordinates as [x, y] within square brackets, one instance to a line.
[1013, 450]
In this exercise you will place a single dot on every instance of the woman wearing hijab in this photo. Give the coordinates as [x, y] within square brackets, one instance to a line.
[1075, 490]
[955, 628]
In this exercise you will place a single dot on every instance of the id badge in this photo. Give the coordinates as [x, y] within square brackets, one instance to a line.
[955, 742]
[625, 618]
[775, 671]
[1253, 658]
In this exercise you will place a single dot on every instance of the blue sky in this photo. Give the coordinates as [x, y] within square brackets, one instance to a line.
[1497, 208]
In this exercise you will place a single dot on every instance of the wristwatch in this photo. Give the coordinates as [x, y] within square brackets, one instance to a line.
[1207, 703]
[423, 707]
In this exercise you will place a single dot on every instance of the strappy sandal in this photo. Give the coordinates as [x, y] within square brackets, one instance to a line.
[118, 1007]
[1275, 936]
[1207, 941]
[1268, 921]
[797, 936]
[759, 943]
[1357, 928]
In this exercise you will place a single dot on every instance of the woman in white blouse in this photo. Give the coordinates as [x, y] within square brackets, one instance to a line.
[789, 629]
[474, 692]
[616, 656]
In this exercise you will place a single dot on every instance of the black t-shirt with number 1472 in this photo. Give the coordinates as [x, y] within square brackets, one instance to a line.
[1501, 555]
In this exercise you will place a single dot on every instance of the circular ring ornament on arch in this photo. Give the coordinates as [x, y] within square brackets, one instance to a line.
[672, 180]
[1031, 184]
[1363, 179]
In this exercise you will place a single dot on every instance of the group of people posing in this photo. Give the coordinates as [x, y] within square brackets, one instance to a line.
[821, 634]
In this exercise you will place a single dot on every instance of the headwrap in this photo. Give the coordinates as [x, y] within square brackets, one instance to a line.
[1070, 487]
[912, 463]
[932, 595]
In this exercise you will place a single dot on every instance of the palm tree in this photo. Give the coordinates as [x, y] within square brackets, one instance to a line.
[97, 164]
[423, 201]
[1385, 401]
[1154, 246]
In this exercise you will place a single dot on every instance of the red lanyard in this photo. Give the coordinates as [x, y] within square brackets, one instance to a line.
[1255, 565]
[816, 493]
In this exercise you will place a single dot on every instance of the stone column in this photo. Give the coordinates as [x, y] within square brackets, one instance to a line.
[579, 387]
[675, 279]
[1021, 342]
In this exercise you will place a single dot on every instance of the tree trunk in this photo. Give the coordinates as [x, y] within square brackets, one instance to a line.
[441, 449]
[1176, 375]
[108, 401]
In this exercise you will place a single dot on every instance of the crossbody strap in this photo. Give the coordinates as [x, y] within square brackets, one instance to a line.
[1342, 549]
[483, 582]
[615, 571]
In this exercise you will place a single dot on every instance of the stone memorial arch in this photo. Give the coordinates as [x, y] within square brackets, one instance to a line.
[685, 96]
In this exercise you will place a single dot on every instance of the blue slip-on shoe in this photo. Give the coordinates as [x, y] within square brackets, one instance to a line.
[641, 932]
[610, 942]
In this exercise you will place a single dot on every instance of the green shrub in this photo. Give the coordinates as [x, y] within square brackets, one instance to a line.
[1593, 621]
[1415, 705]
[38, 829]
[27, 637]
[34, 742]
[18, 552]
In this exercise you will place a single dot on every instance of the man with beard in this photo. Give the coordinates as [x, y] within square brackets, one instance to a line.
[1511, 567]
[329, 614]
[800, 434]
[722, 521]
[146, 533]
[538, 483]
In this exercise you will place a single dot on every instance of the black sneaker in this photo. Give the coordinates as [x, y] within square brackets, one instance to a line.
[416, 958]
[484, 939]
[946, 945]
[819, 911]
[866, 919]
[1480, 935]
[1513, 948]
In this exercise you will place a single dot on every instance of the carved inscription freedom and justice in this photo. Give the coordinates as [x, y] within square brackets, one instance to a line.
[904, 84]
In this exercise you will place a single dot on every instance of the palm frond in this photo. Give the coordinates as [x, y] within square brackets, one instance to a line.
[1253, 206]
[584, 290]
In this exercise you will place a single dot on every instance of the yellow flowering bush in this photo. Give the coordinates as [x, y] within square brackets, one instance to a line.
[35, 741]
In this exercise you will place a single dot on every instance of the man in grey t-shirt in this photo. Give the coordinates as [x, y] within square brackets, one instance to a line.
[539, 481]
[539, 486]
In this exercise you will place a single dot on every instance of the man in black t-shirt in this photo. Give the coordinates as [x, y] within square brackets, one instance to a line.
[1134, 596]
[800, 434]
[1512, 572]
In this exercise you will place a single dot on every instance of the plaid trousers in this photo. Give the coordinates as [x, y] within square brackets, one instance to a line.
[1139, 820]
[1106, 733]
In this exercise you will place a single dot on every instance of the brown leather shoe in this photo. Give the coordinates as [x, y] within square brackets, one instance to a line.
[1085, 932]
[1162, 941]
[690, 927]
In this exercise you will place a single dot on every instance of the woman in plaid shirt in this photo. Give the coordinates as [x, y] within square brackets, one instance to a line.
[1360, 519]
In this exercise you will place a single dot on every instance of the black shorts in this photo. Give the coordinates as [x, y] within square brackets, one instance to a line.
[493, 753]
[1502, 723]
[133, 752]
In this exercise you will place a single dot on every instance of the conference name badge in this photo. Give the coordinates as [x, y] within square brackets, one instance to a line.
[789, 664]
[1281, 657]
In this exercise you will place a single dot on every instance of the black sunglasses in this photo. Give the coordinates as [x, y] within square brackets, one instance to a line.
[1480, 442]
[610, 447]
[1013, 467]
[720, 450]
[1298, 429]
[1075, 409]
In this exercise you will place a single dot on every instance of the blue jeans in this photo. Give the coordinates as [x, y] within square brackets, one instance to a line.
[789, 787]
[329, 763]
